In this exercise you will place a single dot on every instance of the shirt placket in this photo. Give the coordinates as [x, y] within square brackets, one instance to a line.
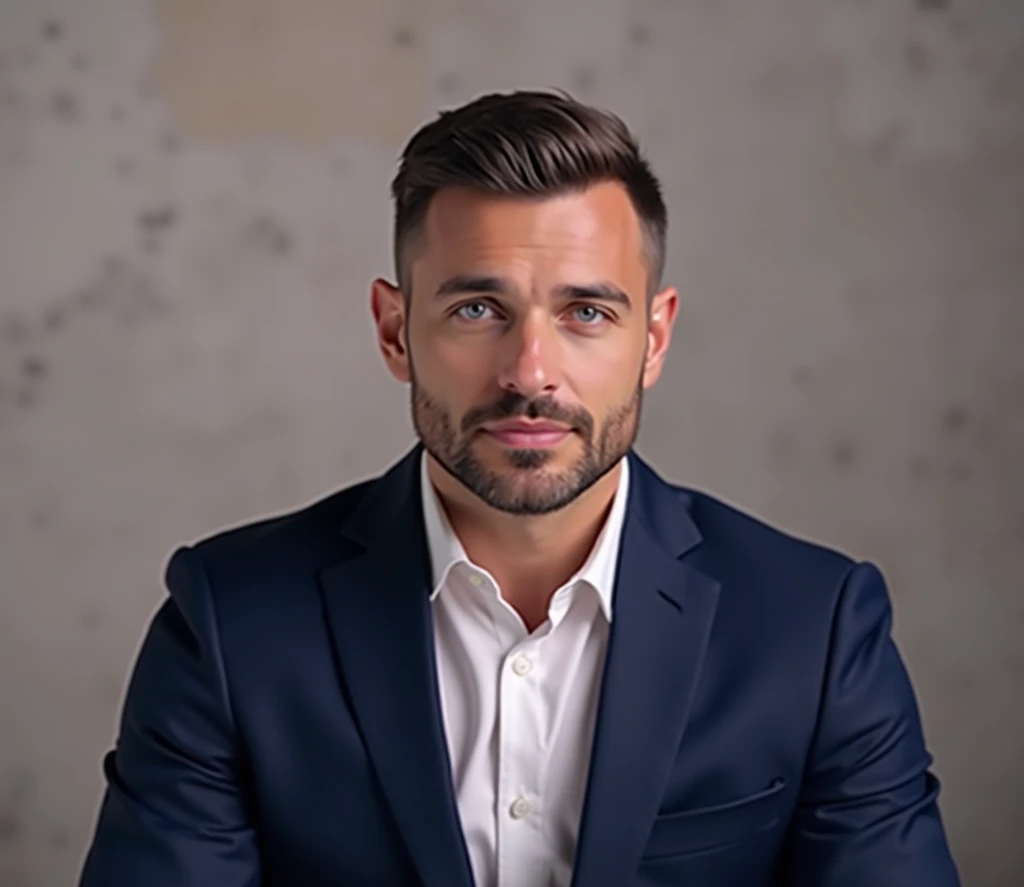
[521, 764]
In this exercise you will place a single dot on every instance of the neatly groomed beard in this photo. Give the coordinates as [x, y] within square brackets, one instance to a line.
[525, 488]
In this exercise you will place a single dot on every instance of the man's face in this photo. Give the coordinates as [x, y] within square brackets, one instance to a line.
[527, 341]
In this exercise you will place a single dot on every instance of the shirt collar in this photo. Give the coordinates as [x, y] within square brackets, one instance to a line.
[598, 571]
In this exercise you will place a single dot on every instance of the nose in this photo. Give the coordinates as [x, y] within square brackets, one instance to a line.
[532, 365]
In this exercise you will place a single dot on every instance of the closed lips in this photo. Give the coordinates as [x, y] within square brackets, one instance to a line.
[527, 428]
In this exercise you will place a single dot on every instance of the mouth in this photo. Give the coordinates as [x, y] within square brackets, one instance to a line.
[525, 435]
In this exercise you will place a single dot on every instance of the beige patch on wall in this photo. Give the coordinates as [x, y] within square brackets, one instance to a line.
[309, 70]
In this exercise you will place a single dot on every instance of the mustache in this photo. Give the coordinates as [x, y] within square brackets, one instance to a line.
[516, 406]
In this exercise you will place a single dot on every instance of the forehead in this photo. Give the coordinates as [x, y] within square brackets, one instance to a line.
[590, 233]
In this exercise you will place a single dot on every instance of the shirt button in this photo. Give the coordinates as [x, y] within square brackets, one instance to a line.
[520, 808]
[521, 666]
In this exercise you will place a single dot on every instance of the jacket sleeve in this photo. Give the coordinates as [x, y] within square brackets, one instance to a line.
[174, 813]
[868, 811]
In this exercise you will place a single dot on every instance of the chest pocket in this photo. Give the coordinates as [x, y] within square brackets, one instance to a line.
[711, 828]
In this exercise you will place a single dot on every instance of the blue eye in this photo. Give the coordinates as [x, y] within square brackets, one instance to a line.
[589, 315]
[473, 310]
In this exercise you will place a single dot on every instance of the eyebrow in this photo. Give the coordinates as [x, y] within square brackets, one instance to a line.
[486, 284]
[474, 283]
[596, 292]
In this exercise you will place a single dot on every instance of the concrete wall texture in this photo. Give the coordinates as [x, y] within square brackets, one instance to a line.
[193, 200]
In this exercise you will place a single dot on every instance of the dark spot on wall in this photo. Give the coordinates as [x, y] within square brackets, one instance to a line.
[108, 691]
[53, 30]
[933, 5]
[960, 27]
[158, 219]
[958, 470]
[128, 315]
[639, 34]
[170, 143]
[977, 62]
[65, 105]
[54, 317]
[583, 79]
[90, 297]
[1004, 86]
[843, 453]
[14, 156]
[20, 788]
[782, 445]
[124, 167]
[920, 467]
[135, 297]
[10, 827]
[255, 171]
[448, 83]
[961, 682]
[112, 266]
[1016, 533]
[269, 236]
[404, 37]
[11, 98]
[33, 367]
[917, 60]
[42, 517]
[954, 419]
[14, 330]
[889, 140]
[90, 618]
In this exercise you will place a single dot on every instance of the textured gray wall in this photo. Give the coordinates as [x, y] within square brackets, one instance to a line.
[193, 198]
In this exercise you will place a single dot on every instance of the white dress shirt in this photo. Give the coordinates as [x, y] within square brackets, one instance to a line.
[519, 708]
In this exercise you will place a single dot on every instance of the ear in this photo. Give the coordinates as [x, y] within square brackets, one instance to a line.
[660, 318]
[387, 305]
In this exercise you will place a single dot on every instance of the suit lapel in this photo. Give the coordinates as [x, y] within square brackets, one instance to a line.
[663, 611]
[379, 614]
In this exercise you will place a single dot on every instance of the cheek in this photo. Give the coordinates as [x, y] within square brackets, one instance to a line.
[462, 367]
[605, 370]
[460, 370]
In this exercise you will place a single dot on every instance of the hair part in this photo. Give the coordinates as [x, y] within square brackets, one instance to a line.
[524, 144]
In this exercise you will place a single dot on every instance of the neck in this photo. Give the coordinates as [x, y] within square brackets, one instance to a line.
[532, 555]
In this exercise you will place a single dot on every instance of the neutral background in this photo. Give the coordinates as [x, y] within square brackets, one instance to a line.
[193, 200]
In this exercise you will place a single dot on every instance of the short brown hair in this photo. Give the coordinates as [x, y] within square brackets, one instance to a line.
[530, 144]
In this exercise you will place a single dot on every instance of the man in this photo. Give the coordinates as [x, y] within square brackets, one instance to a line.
[519, 658]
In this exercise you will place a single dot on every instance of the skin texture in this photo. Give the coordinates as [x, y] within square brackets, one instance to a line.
[529, 309]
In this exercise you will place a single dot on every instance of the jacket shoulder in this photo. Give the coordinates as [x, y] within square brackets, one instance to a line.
[747, 551]
[272, 546]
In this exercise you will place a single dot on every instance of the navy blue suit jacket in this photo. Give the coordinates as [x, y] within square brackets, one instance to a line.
[283, 727]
